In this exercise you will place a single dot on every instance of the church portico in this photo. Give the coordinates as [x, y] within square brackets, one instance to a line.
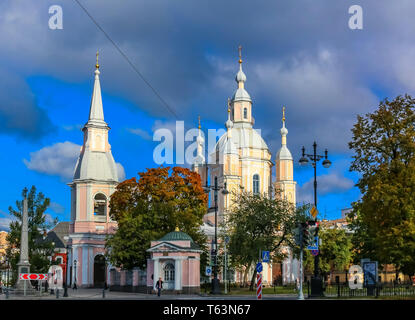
[175, 259]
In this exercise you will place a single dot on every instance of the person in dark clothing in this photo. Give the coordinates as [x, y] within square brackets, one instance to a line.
[159, 286]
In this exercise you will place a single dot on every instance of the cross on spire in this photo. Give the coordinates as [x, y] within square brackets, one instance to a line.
[240, 53]
[97, 65]
[283, 114]
[198, 117]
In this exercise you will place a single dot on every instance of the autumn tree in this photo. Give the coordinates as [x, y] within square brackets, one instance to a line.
[256, 222]
[384, 156]
[39, 250]
[145, 210]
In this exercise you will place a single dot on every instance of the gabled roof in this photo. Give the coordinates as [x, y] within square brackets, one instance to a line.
[57, 234]
[173, 247]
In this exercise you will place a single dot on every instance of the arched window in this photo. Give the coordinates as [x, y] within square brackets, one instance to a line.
[255, 184]
[100, 205]
[169, 272]
[245, 113]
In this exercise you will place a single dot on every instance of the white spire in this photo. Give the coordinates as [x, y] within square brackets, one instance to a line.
[200, 158]
[284, 130]
[284, 153]
[229, 123]
[96, 113]
[241, 94]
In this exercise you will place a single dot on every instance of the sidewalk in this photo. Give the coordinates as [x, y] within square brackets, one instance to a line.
[96, 294]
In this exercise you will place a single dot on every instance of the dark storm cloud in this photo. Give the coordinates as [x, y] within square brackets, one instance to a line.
[296, 53]
[19, 113]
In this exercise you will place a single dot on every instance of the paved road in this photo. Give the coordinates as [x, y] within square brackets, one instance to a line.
[96, 294]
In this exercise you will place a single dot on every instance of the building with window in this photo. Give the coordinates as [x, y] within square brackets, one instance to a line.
[95, 178]
[242, 160]
[175, 258]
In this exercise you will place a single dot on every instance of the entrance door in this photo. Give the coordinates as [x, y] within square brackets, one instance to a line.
[99, 271]
[168, 276]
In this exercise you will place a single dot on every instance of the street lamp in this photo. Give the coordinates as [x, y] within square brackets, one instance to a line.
[316, 283]
[207, 188]
[65, 293]
[74, 282]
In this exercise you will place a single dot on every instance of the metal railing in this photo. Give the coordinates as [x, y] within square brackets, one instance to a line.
[380, 290]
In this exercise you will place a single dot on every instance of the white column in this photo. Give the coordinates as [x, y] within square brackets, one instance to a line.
[156, 273]
[177, 274]
[85, 265]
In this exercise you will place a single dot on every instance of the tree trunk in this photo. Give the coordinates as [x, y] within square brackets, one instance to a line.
[251, 287]
[246, 275]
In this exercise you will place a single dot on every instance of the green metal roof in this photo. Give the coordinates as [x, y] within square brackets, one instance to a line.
[176, 236]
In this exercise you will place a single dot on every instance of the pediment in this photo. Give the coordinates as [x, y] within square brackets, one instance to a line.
[165, 247]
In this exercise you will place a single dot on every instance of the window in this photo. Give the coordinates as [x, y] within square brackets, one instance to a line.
[100, 205]
[245, 113]
[169, 272]
[59, 260]
[255, 184]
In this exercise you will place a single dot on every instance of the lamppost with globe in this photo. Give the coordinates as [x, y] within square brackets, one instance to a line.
[74, 283]
[316, 285]
[215, 188]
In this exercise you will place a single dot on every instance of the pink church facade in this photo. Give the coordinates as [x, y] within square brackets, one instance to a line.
[95, 178]
[175, 257]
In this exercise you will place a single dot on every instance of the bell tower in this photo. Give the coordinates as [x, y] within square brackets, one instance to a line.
[285, 186]
[94, 181]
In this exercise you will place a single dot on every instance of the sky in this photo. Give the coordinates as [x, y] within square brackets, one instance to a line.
[300, 54]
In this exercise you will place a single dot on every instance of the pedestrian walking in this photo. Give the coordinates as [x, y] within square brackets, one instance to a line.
[159, 286]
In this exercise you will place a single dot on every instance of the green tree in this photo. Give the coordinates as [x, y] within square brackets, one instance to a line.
[147, 209]
[384, 218]
[336, 251]
[257, 223]
[39, 250]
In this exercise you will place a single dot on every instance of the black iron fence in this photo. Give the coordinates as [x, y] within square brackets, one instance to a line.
[380, 290]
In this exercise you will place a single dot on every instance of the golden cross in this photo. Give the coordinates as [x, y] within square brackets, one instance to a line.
[240, 53]
[97, 65]
[199, 121]
[229, 105]
[283, 114]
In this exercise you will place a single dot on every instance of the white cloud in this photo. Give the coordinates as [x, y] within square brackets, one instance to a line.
[141, 133]
[329, 183]
[120, 171]
[5, 223]
[72, 127]
[56, 207]
[59, 160]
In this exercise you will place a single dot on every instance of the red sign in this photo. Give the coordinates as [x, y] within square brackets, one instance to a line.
[314, 252]
[33, 276]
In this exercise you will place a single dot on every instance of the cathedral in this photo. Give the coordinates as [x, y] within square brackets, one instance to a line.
[241, 161]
